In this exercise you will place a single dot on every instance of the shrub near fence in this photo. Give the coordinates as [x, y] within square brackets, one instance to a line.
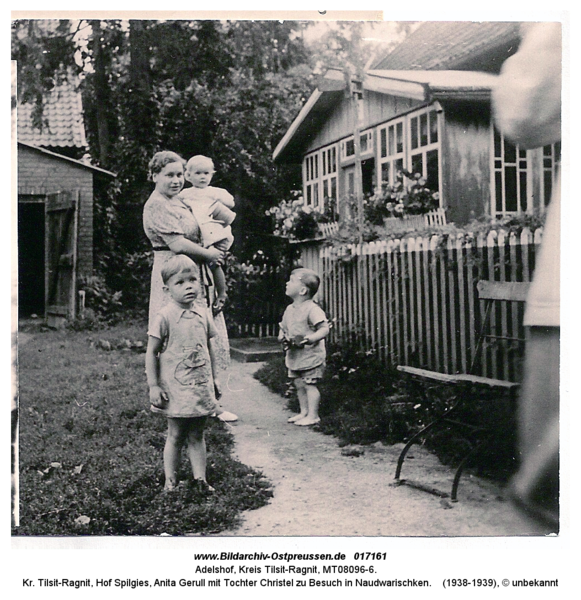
[417, 302]
[256, 299]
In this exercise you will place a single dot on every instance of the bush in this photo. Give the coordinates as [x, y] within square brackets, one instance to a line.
[256, 291]
[296, 220]
[102, 302]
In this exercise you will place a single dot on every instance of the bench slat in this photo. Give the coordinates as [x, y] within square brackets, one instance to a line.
[503, 290]
[424, 374]
[456, 378]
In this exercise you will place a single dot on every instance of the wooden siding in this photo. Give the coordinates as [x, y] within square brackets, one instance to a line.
[377, 109]
[41, 173]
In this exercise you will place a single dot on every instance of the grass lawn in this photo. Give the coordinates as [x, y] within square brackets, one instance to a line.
[90, 458]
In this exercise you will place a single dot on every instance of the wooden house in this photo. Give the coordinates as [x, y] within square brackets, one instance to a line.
[426, 108]
[56, 191]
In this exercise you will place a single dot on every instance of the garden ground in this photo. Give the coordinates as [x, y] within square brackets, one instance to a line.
[322, 489]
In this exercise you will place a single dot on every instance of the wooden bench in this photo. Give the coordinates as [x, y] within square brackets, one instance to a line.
[489, 291]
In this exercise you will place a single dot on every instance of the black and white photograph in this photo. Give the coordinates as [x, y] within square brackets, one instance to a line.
[371, 379]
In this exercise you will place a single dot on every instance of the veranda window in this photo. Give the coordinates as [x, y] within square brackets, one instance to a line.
[392, 155]
[311, 179]
[411, 143]
[511, 189]
[320, 179]
[551, 163]
[424, 147]
[365, 146]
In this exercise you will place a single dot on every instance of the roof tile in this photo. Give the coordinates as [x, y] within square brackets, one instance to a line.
[63, 111]
[448, 44]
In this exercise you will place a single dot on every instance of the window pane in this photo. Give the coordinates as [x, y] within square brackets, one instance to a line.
[333, 159]
[417, 164]
[497, 144]
[433, 127]
[333, 192]
[385, 172]
[414, 132]
[399, 137]
[316, 159]
[548, 187]
[424, 129]
[349, 148]
[309, 196]
[498, 190]
[432, 171]
[509, 152]
[511, 189]
[398, 166]
[316, 194]
[391, 140]
[363, 143]
[523, 191]
[383, 143]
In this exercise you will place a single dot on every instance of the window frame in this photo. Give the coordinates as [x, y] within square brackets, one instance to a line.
[390, 159]
[407, 154]
[499, 170]
[321, 175]
[369, 151]
[550, 164]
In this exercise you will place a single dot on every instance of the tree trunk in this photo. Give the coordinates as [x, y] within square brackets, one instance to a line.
[140, 101]
[101, 95]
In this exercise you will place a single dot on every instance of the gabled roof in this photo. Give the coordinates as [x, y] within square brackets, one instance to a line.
[79, 163]
[424, 86]
[454, 45]
[63, 112]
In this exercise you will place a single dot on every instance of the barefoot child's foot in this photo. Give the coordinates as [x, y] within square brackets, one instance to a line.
[308, 421]
[295, 418]
[203, 487]
[170, 486]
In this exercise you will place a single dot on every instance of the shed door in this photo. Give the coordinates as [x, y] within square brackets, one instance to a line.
[61, 225]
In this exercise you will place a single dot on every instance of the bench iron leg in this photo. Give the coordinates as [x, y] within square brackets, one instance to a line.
[456, 483]
[419, 434]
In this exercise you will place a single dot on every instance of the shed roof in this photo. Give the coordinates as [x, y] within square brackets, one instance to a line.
[454, 45]
[63, 111]
[424, 86]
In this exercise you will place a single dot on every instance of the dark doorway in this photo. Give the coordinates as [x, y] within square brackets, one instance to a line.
[30, 258]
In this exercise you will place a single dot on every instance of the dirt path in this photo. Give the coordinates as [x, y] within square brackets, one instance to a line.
[320, 491]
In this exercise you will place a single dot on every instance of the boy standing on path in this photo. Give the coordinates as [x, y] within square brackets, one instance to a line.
[181, 370]
[303, 330]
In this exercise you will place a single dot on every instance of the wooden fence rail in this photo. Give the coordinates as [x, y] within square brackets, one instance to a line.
[414, 301]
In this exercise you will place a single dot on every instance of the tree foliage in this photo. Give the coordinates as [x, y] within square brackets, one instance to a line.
[226, 89]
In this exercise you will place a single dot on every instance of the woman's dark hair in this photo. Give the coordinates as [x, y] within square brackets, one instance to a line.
[161, 159]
